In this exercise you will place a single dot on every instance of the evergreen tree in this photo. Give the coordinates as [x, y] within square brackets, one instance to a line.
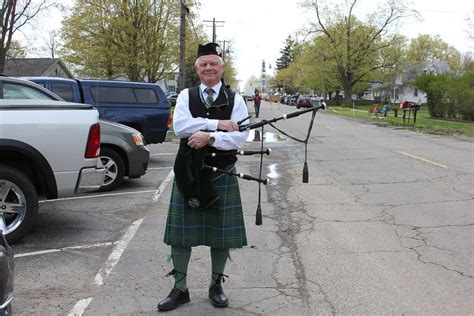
[287, 54]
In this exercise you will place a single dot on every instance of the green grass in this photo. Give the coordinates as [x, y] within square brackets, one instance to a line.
[423, 121]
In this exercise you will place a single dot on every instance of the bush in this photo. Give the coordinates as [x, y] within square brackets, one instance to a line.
[448, 95]
[461, 90]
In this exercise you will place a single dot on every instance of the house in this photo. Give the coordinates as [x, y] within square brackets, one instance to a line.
[401, 88]
[36, 67]
[369, 94]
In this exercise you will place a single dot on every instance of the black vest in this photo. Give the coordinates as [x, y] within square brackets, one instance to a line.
[221, 109]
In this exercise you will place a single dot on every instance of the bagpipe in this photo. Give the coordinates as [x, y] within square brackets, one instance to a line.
[261, 124]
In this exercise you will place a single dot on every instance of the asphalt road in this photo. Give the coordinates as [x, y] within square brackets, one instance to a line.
[384, 226]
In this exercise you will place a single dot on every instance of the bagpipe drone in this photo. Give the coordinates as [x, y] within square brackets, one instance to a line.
[194, 184]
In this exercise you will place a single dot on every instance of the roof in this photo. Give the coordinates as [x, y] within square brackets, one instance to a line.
[32, 67]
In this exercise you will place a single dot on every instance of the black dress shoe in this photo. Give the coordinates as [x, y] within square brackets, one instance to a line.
[174, 299]
[217, 296]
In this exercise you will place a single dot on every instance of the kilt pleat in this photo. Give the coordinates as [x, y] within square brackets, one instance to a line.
[220, 226]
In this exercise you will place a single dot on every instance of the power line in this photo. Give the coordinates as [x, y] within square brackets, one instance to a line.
[214, 27]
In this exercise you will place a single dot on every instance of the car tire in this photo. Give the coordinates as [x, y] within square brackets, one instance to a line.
[18, 191]
[114, 169]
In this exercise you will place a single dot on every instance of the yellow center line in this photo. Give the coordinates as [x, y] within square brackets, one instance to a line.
[425, 160]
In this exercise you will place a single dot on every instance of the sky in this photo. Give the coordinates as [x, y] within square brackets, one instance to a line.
[257, 29]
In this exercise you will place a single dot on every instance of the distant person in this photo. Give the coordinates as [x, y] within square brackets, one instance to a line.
[257, 99]
[386, 109]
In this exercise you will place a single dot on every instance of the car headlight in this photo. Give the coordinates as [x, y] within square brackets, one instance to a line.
[138, 139]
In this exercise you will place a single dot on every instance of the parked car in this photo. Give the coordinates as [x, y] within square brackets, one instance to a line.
[304, 101]
[315, 99]
[122, 151]
[172, 96]
[7, 269]
[48, 149]
[142, 106]
[293, 99]
[123, 154]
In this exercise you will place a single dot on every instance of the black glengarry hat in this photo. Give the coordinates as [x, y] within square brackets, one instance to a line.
[209, 49]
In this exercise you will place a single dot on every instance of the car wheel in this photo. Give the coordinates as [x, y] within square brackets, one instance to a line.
[18, 203]
[114, 169]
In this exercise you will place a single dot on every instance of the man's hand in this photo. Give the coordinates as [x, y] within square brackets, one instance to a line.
[227, 125]
[198, 140]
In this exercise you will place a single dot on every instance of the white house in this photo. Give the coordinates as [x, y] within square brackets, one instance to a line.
[402, 89]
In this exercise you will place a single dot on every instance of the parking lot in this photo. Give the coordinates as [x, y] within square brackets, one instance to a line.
[75, 236]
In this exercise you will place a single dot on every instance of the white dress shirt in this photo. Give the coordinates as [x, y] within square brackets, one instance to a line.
[184, 124]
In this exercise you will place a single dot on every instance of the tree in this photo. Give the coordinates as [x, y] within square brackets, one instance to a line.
[358, 48]
[286, 54]
[16, 50]
[286, 79]
[318, 72]
[426, 48]
[15, 14]
[109, 38]
[53, 44]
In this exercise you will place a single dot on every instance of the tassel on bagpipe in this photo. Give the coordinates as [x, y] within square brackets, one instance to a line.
[258, 215]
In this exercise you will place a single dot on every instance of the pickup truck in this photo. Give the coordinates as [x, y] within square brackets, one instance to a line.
[142, 106]
[48, 149]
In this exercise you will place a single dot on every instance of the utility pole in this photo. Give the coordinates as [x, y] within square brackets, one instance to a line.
[182, 46]
[214, 27]
[225, 49]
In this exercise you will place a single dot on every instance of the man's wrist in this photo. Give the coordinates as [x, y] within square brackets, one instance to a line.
[211, 140]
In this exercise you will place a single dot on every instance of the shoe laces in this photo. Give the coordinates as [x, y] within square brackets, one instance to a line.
[174, 273]
[220, 277]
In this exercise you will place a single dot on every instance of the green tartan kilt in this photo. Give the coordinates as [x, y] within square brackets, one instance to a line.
[220, 226]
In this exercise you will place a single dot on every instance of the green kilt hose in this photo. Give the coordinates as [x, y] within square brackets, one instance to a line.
[220, 226]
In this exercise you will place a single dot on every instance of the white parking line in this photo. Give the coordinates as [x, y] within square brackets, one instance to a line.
[81, 305]
[159, 168]
[42, 252]
[97, 195]
[163, 154]
[332, 129]
[120, 247]
[162, 187]
[109, 265]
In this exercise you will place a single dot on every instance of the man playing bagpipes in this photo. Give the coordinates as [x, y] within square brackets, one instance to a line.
[205, 207]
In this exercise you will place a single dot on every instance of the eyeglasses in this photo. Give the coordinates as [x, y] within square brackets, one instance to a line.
[212, 64]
